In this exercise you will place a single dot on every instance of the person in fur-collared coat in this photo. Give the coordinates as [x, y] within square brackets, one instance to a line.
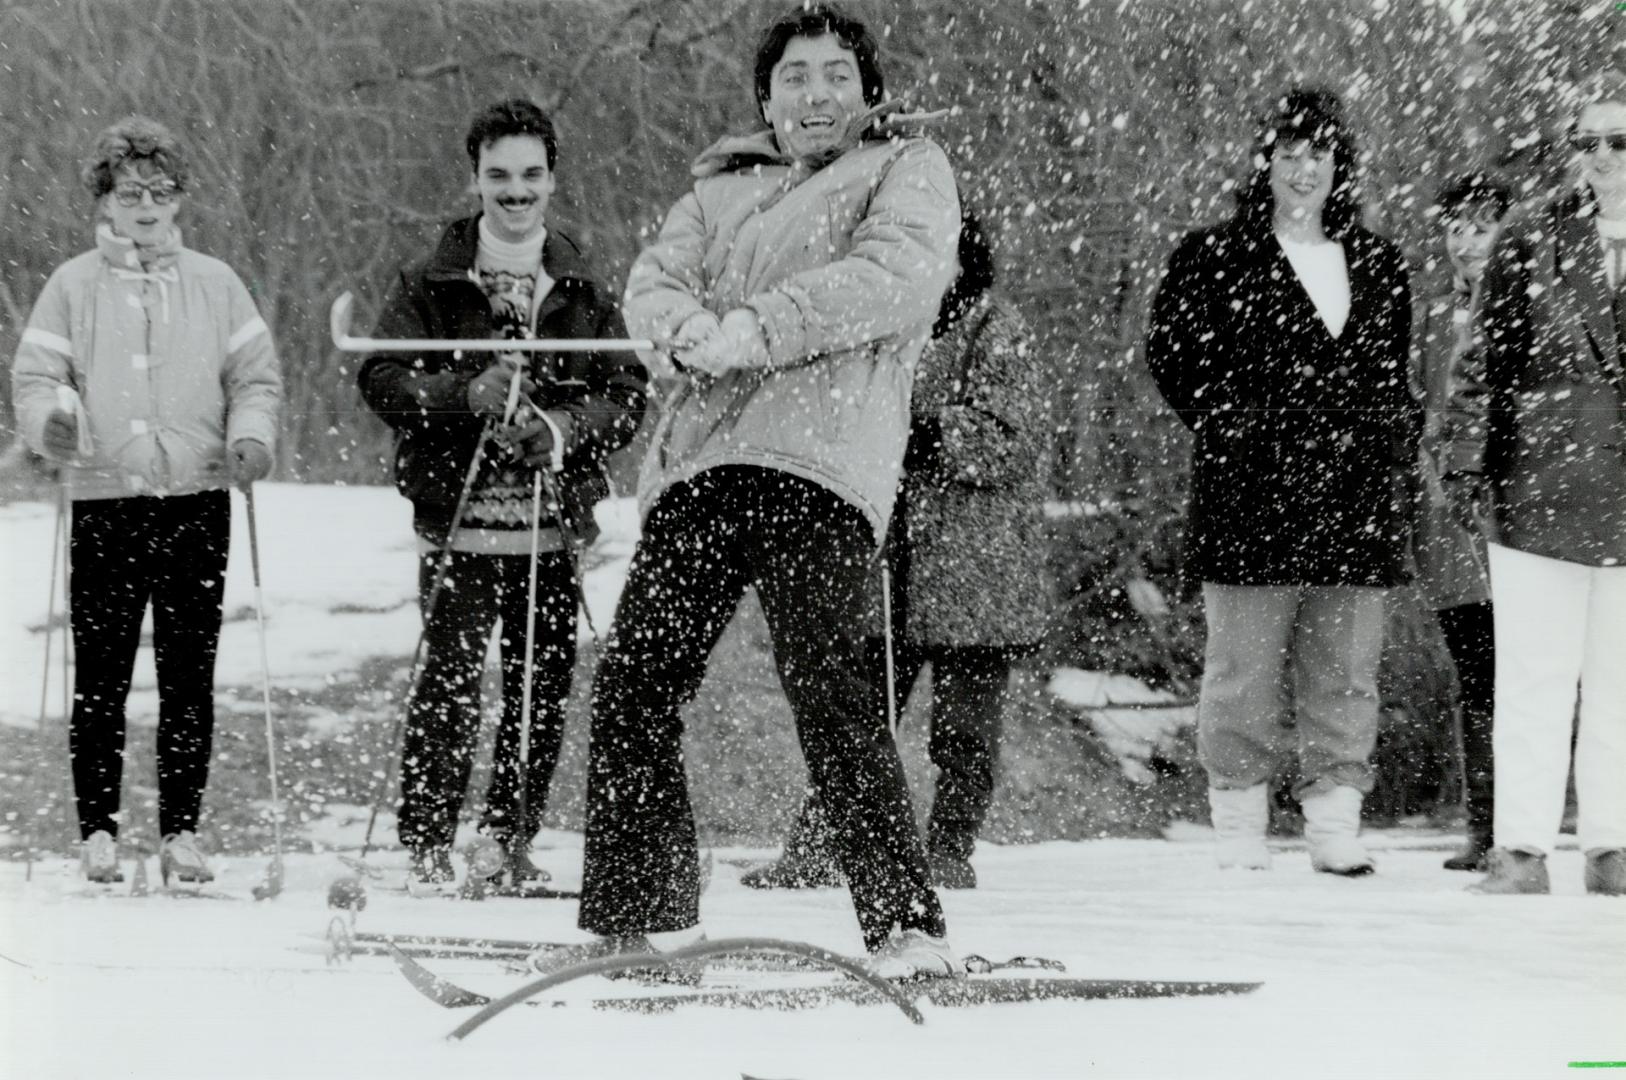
[966, 555]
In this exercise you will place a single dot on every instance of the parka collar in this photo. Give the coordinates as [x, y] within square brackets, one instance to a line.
[734, 153]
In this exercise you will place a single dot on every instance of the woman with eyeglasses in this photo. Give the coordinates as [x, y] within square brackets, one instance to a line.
[147, 374]
[1281, 339]
[1540, 436]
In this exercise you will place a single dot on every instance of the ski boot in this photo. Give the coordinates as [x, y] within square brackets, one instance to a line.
[915, 954]
[682, 973]
[1511, 872]
[99, 857]
[431, 873]
[1606, 871]
[180, 856]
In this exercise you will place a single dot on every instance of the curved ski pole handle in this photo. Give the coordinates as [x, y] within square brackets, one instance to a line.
[699, 950]
[339, 317]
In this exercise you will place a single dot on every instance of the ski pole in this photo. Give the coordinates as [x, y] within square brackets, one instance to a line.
[522, 823]
[415, 672]
[886, 632]
[50, 605]
[57, 545]
[272, 885]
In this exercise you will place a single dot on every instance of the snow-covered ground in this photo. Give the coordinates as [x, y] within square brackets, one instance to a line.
[1397, 975]
[1401, 974]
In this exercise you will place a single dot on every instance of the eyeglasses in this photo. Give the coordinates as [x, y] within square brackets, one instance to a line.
[129, 192]
[1589, 143]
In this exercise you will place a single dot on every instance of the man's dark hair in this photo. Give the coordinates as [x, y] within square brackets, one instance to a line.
[1303, 114]
[976, 274]
[1463, 195]
[816, 20]
[516, 116]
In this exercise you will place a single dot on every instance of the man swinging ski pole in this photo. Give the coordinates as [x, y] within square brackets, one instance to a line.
[474, 432]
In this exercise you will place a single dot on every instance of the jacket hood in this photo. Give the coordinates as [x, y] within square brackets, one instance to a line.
[454, 254]
[732, 153]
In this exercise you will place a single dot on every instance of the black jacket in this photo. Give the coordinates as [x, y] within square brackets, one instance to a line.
[1541, 411]
[1306, 445]
[424, 396]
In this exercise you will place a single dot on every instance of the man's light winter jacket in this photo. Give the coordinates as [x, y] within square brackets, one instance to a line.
[844, 268]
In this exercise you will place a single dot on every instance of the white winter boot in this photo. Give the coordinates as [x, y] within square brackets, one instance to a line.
[1240, 816]
[99, 855]
[1332, 825]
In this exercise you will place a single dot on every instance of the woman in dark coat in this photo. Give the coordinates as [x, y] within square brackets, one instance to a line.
[967, 561]
[1281, 338]
[1541, 437]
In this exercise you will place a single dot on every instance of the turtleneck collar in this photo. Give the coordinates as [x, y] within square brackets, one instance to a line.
[125, 254]
[153, 267]
[528, 250]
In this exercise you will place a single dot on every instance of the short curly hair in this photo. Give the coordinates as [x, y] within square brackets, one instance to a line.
[133, 140]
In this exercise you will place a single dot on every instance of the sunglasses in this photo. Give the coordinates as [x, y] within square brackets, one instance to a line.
[129, 192]
[1588, 144]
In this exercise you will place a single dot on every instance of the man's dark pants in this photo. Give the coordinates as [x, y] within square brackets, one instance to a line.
[444, 719]
[808, 554]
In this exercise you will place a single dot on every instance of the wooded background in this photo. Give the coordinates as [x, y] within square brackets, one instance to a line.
[328, 147]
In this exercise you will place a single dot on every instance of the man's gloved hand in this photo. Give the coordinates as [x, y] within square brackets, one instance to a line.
[250, 461]
[61, 436]
[488, 391]
[663, 363]
[695, 329]
[539, 435]
[736, 343]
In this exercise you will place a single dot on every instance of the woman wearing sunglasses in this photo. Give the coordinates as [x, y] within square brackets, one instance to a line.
[1540, 435]
[146, 372]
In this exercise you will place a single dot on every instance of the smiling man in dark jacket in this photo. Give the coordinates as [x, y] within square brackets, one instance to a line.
[468, 462]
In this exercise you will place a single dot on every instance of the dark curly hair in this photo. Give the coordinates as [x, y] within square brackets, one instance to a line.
[131, 141]
[1303, 114]
[816, 20]
[516, 116]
